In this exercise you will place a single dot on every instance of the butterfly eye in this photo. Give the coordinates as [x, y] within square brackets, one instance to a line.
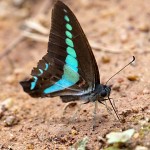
[103, 93]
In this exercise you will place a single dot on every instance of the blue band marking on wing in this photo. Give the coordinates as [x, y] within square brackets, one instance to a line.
[46, 66]
[33, 84]
[70, 75]
[68, 26]
[69, 42]
[69, 78]
[68, 34]
[41, 72]
[58, 86]
[71, 52]
[69, 68]
[66, 18]
[71, 61]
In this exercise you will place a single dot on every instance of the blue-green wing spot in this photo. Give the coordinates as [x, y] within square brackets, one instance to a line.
[69, 78]
[69, 42]
[70, 74]
[54, 88]
[71, 52]
[41, 72]
[66, 18]
[46, 66]
[71, 61]
[68, 34]
[68, 26]
[33, 84]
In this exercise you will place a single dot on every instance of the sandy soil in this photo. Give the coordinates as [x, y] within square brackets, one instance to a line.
[117, 30]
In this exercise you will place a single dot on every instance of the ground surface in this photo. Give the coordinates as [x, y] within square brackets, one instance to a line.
[117, 30]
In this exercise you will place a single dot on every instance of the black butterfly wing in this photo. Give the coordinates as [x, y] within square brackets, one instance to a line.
[69, 68]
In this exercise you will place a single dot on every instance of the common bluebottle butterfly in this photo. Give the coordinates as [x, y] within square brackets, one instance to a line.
[69, 68]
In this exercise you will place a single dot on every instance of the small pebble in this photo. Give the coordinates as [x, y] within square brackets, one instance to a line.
[7, 103]
[124, 36]
[133, 78]
[10, 79]
[136, 135]
[146, 91]
[144, 27]
[105, 59]
[74, 132]
[10, 121]
[141, 148]
[30, 146]
[18, 71]
[18, 3]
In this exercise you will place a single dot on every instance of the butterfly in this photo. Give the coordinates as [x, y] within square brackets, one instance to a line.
[69, 68]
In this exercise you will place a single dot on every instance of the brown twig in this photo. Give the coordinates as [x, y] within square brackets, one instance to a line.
[20, 38]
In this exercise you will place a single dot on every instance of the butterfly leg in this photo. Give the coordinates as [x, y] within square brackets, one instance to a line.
[74, 116]
[115, 110]
[109, 109]
[114, 104]
[94, 115]
[72, 104]
[78, 109]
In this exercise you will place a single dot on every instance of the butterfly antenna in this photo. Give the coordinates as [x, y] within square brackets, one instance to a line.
[109, 109]
[121, 69]
[114, 109]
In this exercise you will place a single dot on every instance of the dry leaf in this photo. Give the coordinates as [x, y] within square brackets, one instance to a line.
[120, 137]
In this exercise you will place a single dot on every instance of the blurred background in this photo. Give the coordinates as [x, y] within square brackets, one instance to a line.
[116, 30]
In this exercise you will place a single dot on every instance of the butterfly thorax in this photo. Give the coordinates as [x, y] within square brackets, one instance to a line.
[100, 93]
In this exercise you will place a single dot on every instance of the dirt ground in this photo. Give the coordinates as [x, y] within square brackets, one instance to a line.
[116, 30]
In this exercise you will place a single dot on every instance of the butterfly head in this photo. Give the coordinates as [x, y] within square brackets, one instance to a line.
[105, 92]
